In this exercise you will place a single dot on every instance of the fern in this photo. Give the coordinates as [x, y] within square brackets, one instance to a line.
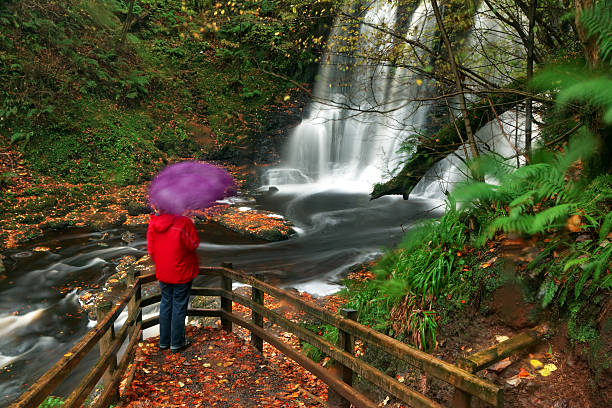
[605, 226]
[595, 91]
[597, 21]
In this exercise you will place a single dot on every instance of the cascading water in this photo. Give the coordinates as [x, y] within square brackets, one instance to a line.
[502, 137]
[364, 108]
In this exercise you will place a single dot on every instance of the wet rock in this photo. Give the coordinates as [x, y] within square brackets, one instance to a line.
[135, 208]
[28, 235]
[115, 285]
[128, 237]
[255, 223]
[104, 221]
[273, 189]
[55, 225]
[2, 268]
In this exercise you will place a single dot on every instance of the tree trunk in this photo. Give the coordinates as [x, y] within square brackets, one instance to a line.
[529, 102]
[127, 23]
[451, 58]
[589, 43]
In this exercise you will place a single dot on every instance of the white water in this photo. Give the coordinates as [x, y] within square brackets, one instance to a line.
[363, 111]
[503, 140]
[353, 140]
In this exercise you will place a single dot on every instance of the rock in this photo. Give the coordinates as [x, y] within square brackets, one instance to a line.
[128, 237]
[273, 189]
[104, 221]
[255, 223]
[55, 225]
[2, 268]
[135, 208]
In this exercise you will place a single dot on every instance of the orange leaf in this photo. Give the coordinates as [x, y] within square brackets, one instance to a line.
[524, 373]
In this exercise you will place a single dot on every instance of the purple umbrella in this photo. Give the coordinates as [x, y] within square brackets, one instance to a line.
[190, 185]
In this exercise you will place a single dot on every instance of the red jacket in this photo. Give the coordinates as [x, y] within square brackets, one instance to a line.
[171, 242]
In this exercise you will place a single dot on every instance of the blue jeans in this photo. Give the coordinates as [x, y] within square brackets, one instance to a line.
[172, 311]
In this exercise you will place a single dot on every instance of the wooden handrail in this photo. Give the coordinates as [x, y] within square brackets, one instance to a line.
[464, 382]
[440, 369]
[355, 397]
[60, 370]
[485, 358]
[363, 369]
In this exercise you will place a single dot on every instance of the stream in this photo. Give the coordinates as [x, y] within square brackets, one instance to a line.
[40, 316]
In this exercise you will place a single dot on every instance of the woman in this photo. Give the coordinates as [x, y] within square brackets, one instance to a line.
[171, 242]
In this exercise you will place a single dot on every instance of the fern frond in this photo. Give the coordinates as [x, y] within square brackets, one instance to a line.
[470, 192]
[547, 218]
[597, 21]
[606, 224]
[594, 91]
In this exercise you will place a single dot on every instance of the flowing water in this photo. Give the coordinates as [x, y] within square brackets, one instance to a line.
[363, 110]
[40, 316]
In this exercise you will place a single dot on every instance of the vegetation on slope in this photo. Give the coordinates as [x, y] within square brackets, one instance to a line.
[84, 105]
[96, 96]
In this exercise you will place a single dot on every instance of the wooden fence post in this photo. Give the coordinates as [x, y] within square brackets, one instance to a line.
[258, 297]
[462, 399]
[347, 343]
[102, 309]
[132, 276]
[226, 304]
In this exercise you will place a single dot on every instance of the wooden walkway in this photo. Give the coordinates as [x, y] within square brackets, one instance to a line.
[218, 370]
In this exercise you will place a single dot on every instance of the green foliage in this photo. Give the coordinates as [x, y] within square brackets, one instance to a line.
[597, 20]
[328, 332]
[575, 84]
[538, 196]
[426, 268]
[52, 402]
[113, 146]
[538, 199]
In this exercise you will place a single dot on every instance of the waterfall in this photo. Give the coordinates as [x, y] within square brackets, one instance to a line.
[364, 107]
[502, 136]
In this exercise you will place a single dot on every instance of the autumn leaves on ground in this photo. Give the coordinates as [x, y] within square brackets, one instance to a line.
[223, 369]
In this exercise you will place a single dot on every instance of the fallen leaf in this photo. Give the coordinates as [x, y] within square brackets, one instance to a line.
[574, 222]
[500, 365]
[535, 363]
[551, 367]
[524, 373]
[499, 339]
[513, 381]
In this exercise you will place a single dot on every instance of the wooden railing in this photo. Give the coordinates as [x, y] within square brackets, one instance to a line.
[466, 384]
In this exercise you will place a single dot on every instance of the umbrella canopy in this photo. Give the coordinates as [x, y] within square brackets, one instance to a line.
[190, 185]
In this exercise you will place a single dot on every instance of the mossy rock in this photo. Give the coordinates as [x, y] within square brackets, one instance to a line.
[104, 221]
[55, 225]
[135, 208]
